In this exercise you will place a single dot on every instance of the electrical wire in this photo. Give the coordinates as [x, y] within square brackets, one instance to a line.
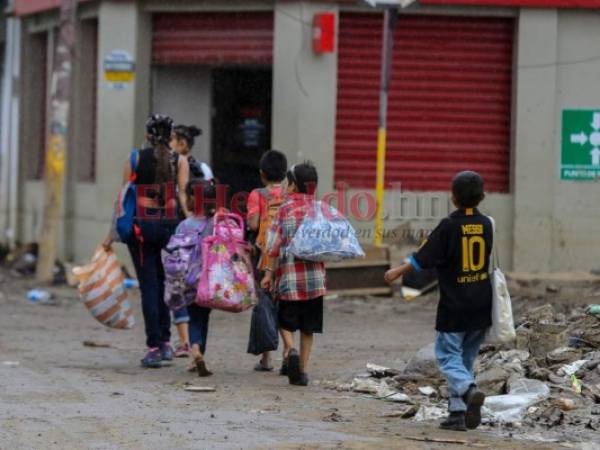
[574, 3]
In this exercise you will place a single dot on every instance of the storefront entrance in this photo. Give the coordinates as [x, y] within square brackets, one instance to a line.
[241, 124]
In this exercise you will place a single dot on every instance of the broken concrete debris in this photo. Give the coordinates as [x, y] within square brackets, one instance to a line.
[381, 371]
[424, 363]
[549, 380]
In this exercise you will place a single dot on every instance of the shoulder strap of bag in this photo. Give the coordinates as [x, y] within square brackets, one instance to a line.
[133, 162]
[495, 259]
[175, 164]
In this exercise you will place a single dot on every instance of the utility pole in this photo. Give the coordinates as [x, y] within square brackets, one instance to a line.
[390, 18]
[60, 102]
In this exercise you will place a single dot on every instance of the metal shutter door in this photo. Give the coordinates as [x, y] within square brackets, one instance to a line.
[213, 38]
[449, 104]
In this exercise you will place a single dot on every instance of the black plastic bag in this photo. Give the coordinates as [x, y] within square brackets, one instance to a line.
[264, 336]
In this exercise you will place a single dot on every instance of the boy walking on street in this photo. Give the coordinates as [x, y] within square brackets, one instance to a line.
[263, 205]
[459, 248]
[299, 285]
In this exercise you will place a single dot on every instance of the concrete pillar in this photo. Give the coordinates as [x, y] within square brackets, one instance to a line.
[304, 90]
[534, 156]
[121, 112]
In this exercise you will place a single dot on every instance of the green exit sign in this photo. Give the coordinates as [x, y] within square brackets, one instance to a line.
[580, 149]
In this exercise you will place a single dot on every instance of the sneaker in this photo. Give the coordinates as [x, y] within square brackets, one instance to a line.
[182, 351]
[284, 368]
[152, 359]
[474, 400]
[293, 366]
[301, 381]
[454, 422]
[166, 351]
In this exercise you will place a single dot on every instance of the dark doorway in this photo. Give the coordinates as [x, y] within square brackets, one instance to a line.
[241, 125]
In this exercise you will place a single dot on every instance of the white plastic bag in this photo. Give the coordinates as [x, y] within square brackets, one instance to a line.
[325, 235]
[503, 326]
[511, 407]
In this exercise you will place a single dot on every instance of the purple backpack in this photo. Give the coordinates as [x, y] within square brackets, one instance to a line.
[182, 263]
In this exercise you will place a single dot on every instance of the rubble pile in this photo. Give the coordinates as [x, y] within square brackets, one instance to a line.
[550, 377]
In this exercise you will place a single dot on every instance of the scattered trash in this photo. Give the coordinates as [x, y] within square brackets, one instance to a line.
[40, 296]
[380, 371]
[566, 404]
[365, 385]
[131, 283]
[552, 288]
[24, 259]
[571, 369]
[576, 384]
[511, 407]
[445, 441]
[593, 309]
[430, 412]
[551, 379]
[397, 397]
[428, 391]
[405, 413]
[96, 344]
[576, 342]
[390, 394]
[199, 389]
[334, 417]
[11, 363]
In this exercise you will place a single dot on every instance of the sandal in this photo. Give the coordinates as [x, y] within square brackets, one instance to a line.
[260, 368]
[201, 368]
[284, 368]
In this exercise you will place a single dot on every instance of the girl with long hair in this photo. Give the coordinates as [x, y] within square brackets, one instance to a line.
[161, 176]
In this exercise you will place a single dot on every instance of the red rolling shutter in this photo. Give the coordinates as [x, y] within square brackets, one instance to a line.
[213, 38]
[449, 103]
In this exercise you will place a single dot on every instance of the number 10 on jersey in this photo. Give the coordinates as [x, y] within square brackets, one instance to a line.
[473, 253]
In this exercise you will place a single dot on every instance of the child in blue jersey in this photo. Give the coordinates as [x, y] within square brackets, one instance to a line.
[459, 249]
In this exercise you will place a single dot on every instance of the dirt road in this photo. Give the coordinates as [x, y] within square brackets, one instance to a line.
[63, 395]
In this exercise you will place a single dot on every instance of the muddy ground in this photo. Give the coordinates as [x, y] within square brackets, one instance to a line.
[64, 395]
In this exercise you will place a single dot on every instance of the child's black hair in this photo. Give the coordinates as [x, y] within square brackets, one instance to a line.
[467, 188]
[188, 133]
[208, 190]
[273, 165]
[304, 176]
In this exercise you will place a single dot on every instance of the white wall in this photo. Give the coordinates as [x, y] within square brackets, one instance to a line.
[304, 90]
[556, 222]
[576, 212]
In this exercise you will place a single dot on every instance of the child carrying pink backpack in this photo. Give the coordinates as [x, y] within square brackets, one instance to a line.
[227, 279]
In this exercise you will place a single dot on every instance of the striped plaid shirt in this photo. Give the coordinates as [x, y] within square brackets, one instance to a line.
[295, 279]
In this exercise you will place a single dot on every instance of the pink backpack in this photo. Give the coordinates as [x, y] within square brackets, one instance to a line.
[227, 281]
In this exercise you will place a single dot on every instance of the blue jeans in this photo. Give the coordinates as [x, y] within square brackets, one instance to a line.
[456, 354]
[181, 316]
[150, 274]
[198, 325]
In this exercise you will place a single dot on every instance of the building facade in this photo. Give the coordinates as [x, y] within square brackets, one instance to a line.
[494, 86]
